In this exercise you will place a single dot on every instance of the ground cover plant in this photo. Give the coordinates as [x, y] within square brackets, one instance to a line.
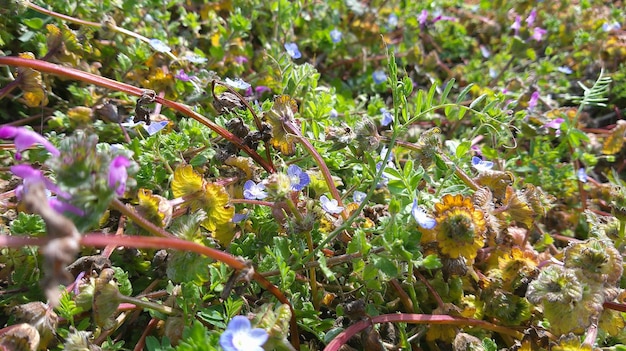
[312, 175]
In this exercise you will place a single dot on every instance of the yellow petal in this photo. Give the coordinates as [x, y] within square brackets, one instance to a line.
[186, 181]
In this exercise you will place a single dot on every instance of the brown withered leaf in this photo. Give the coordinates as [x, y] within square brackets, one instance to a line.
[283, 111]
[517, 207]
[614, 142]
[30, 82]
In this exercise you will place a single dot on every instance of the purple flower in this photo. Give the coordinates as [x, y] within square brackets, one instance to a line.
[387, 117]
[239, 336]
[31, 175]
[421, 217]
[555, 124]
[262, 89]
[181, 75]
[532, 103]
[25, 138]
[581, 174]
[481, 165]
[379, 76]
[298, 178]
[335, 35]
[292, 50]
[62, 207]
[517, 24]
[358, 196]
[443, 18]
[538, 33]
[118, 174]
[241, 59]
[422, 18]
[330, 206]
[530, 20]
[254, 191]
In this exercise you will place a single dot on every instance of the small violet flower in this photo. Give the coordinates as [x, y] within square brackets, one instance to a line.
[530, 20]
[118, 174]
[330, 206]
[443, 18]
[379, 76]
[182, 76]
[31, 175]
[292, 50]
[241, 59]
[607, 27]
[298, 178]
[422, 18]
[538, 33]
[481, 165]
[238, 83]
[517, 24]
[555, 124]
[25, 138]
[384, 179]
[240, 336]
[387, 117]
[581, 174]
[421, 217]
[358, 196]
[532, 103]
[335, 35]
[238, 217]
[254, 191]
[333, 113]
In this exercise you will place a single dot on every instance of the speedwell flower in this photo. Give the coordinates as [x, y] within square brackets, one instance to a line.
[240, 336]
[358, 196]
[460, 227]
[387, 117]
[299, 179]
[292, 50]
[330, 205]
[335, 35]
[25, 138]
[253, 191]
[421, 217]
[481, 165]
[379, 76]
[237, 83]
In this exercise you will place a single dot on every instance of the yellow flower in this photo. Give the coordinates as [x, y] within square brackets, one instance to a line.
[460, 227]
[517, 267]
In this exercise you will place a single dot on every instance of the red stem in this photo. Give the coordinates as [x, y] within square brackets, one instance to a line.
[344, 336]
[68, 72]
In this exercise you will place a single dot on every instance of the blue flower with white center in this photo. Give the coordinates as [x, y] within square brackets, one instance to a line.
[379, 76]
[240, 336]
[581, 174]
[358, 196]
[298, 178]
[333, 113]
[481, 165]
[195, 58]
[421, 217]
[239, 217]
[254, 191]
[238, 83]
[159, 46]
[330, 206]
[387, 117]
[335, 35]
[384, 180]
[392, 21]
[292, 50]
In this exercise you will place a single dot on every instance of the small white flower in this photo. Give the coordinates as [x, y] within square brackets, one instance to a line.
[330, 206]
[238, 83]
[159, 46]
[421, 217]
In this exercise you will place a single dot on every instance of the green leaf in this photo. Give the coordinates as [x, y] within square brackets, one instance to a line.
[446, 91]
[431, 262]
[385, 265]
[30, 224]
[35, 23]
[123, 282]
